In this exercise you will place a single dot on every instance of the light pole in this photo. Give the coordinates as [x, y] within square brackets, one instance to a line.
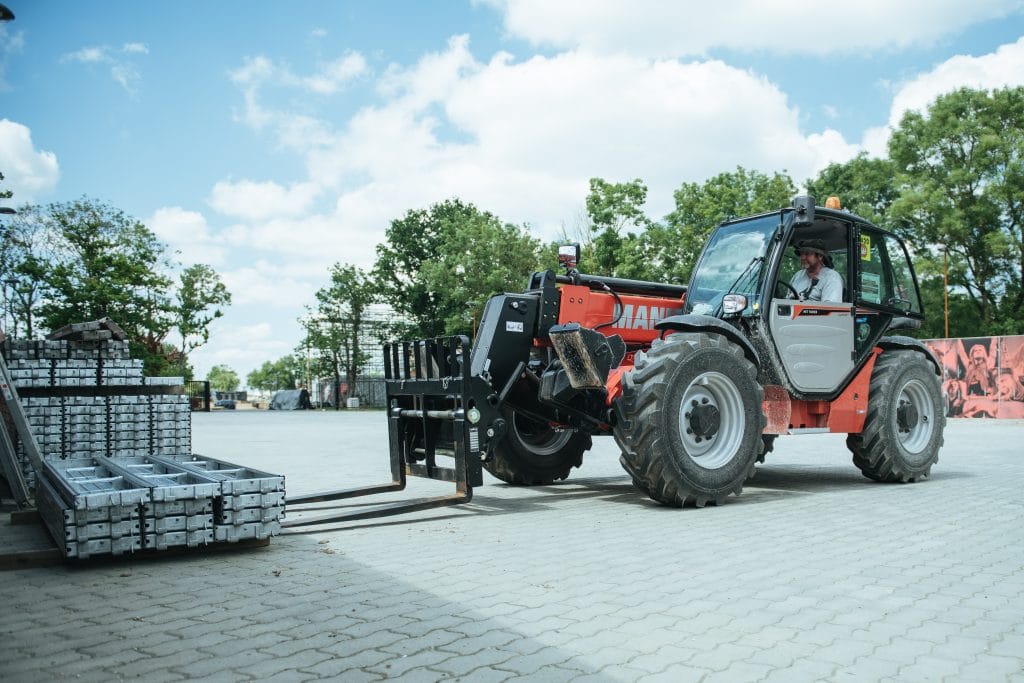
[8, 211]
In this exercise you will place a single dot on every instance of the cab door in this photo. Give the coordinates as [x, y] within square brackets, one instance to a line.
[814, 340]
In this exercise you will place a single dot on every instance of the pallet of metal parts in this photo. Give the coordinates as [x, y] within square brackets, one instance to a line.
[234, 479]
[172, 485]
[81, 533]
[178, 508]
[179, 539]
[167, 481]
[83, 550]
[165, 525]
[250, 515]
[85, 483]
[233, 533]
[251, 505]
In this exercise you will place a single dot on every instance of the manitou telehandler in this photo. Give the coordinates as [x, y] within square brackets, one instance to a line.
[693, 382]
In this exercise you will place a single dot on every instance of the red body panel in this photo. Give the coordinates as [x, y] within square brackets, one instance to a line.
[845, 414]
[636, 324]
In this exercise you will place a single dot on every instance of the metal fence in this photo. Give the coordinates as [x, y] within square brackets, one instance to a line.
[198, 395]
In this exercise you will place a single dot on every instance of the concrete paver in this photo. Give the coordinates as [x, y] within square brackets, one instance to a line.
[813, 573]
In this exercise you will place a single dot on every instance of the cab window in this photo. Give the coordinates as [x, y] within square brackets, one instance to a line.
[884, 275]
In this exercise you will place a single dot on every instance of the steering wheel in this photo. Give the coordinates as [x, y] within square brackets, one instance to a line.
[783, 283]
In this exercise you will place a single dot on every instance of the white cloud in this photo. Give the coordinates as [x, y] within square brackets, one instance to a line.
[268, 285]
[259, 73]
[519, 138]
[257, 201]
[522, 139]
[124, 72]
[242, 348]
[87, 55]
[187, 233]
[1000, 69]
[673, 29]
[29, 173]
[335, 75]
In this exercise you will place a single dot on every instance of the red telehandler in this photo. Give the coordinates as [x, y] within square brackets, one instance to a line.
[694, 382]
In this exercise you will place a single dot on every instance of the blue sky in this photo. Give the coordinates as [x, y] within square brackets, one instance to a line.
[273, 140]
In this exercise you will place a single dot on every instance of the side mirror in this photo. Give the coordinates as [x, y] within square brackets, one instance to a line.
[804, 205]
[569, 255]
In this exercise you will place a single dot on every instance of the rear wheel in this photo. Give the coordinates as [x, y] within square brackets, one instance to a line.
[534, 452]
[905, 420]
[693, 420]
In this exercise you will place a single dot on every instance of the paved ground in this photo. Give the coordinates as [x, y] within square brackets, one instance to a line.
[814, 573]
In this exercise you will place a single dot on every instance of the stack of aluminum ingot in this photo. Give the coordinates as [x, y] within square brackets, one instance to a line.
[251, 504]
[118, 474]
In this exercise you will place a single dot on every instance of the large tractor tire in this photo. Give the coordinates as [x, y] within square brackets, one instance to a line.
[693, 420]
[535, 453]
[905, 420]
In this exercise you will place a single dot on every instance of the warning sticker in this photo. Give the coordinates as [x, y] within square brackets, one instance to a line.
[865, 247]
[513, 325]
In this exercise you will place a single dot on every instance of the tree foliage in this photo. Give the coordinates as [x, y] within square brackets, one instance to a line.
[283, 373]
[612, 208]
[668, 251]
[105, 264]
[334, 329]
[865, 186]
[85, 260]
[23, 263]
[222, 378]
[960, 167]
[479, 257]
[439, 265]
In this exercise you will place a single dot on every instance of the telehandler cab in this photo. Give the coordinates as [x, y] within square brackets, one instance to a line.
[694, 383]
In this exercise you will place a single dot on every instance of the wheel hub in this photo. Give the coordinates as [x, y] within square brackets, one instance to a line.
[704, 419]
[907, 416]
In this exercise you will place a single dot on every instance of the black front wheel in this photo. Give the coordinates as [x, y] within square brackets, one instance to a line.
[692, 423]
[534, 452]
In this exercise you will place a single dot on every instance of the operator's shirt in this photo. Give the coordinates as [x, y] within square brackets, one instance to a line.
[828, 288]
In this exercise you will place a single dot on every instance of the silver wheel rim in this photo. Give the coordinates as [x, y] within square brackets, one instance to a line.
[916, 439]
[547, 444]
[713, 389]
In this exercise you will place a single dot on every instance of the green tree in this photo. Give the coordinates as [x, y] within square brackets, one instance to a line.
[222, 378]
[283, 373]
[199, 299]
[438, 265]
[107, 264]
[479, 257]
[335, 328]
[865, 186]
[611, 208]
[670, 250]
[961, 171]
[24, 265]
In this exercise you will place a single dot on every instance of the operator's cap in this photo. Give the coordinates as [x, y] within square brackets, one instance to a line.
[814, 246]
